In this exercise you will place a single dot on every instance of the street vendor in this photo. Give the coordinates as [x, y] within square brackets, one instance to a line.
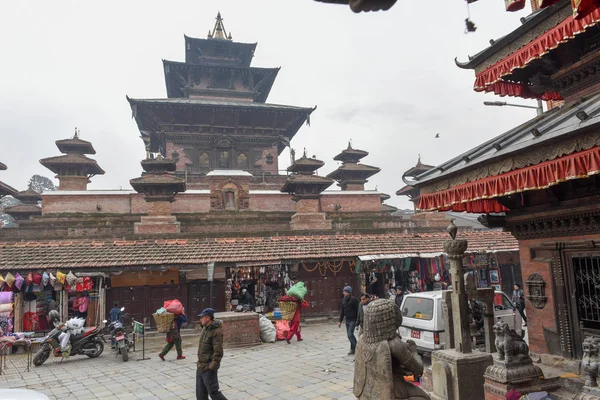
[247, 299]
[295, 322]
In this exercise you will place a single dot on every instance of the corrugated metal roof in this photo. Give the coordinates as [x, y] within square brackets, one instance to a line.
[552, 125]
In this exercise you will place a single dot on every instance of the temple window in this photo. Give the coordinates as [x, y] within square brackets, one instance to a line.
[204, 160]
[242, 161]
[586, 271]
[223, 159]
[229, 200]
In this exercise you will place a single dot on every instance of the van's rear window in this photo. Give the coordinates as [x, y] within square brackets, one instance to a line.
[419, 308]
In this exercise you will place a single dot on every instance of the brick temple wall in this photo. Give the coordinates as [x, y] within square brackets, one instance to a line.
[538, 319]
[350, 202]
[239, 329]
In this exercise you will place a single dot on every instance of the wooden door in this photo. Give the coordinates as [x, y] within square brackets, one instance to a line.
[131, 297]
[199, 293]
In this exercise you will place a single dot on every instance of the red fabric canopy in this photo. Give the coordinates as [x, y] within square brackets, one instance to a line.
[491, 79]
[478, 196]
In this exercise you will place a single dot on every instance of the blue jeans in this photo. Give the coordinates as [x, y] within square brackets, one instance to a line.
[350, 327]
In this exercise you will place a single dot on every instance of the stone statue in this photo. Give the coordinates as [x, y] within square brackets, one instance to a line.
[589, 362]
[511, 347]
[383, 360]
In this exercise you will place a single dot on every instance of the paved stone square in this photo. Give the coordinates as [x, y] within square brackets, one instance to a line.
[316, 368]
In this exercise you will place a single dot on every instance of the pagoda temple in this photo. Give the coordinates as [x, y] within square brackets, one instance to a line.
[215, 116]
[412, 192]
[29, 205]
[73, 169]
[352, 175]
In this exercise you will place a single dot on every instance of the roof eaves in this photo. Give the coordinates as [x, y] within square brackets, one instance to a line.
[528, 23]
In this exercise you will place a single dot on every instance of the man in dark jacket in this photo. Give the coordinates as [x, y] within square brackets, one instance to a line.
[365, 299]
[349, 310]
[399, 297]
[210, 353]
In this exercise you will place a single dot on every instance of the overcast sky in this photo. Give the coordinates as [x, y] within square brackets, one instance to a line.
[386, 80]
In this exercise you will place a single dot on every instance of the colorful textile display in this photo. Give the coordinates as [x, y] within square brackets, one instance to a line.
[10, 279]
[298, 291]
[60, 277]
[19, 280]
[45, 279]
[52, 279]
[71, 278]
[6, 297]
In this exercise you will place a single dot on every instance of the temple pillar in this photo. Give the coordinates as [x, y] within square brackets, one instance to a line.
[457, 374]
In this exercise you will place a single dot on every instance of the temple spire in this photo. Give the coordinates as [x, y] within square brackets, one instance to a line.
[218, 31]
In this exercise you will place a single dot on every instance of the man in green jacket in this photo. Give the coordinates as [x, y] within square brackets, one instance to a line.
[210, 353]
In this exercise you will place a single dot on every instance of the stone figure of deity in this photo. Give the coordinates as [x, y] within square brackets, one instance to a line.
[383, 360]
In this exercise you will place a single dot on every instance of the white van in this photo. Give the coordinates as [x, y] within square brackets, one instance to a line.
[423, 318]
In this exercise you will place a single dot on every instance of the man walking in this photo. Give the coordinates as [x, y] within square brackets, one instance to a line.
[349, 311]
[518, 299]
[399, 297]
[210, 353]
[365, 299]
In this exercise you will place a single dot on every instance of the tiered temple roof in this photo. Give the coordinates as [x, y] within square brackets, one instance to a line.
[352, 175]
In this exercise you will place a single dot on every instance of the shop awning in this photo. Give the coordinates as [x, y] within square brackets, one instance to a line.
[491, 79]
[375, 257]
[478, 196]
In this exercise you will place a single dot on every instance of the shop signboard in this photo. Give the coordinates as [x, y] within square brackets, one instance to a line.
[211, 271]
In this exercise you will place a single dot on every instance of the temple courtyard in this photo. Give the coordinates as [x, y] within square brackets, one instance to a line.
[316, 368]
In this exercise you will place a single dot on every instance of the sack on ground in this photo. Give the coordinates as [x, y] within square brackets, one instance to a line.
[268, 333]
[298, 291]
[282, 329]
[174, 307]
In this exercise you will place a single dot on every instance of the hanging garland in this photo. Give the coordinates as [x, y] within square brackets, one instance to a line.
[324, 266]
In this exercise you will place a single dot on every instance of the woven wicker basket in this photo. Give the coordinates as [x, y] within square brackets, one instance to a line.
[288, 309]
[164, 321]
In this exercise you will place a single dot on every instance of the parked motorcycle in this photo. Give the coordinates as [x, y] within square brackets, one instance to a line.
[119, 339]
[89, 342]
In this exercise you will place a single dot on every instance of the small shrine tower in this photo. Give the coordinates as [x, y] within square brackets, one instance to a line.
[28, 207]
[352, 175]
[73, 169]
[159, 187]
[412, 192]
[306, 187]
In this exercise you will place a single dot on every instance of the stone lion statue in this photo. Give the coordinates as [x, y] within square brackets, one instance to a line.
[382, 360]
[589, 362]
[511, 347]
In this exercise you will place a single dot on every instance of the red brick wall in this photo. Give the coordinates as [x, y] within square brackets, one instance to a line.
[272, 202]
[159, 208]
[538, 319]
[191, 203]
[111, 204]
[308, 206]
[72, 182]
[183, 159]
[351, 202]
[239, 329]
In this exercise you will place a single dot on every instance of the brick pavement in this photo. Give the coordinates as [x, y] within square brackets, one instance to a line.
[316, 368]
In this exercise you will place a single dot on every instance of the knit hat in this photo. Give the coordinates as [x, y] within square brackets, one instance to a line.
[348, 289]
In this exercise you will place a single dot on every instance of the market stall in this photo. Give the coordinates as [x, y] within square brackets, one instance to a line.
[264, 284]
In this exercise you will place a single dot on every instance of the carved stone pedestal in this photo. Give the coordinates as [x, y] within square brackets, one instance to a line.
[522, 376]
[589, 393]
[157, 224]
[458, 376]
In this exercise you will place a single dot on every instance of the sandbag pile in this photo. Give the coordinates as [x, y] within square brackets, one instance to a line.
[268, 332]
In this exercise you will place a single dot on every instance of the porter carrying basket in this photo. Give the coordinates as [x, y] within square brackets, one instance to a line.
[164, 321]
[288, 309]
